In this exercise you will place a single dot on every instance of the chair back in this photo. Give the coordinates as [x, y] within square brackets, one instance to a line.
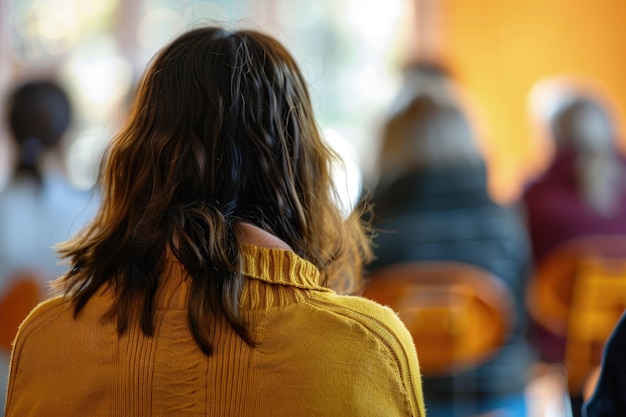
[458, 314]
[579, 293]
[23, 292]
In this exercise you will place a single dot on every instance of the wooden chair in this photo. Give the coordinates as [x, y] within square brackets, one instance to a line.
[458, 314]
[579, 293]
[24, 291]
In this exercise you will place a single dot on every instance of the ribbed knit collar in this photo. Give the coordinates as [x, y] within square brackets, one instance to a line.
[274, 266]
[282, 267]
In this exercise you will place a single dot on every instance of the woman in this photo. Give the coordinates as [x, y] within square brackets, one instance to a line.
[38, 206]
[202, 285]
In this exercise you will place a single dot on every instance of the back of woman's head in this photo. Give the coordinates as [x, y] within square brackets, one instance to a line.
[221, 132]
[39, 113]
[427, 135]
[584, 128]
[584, 125]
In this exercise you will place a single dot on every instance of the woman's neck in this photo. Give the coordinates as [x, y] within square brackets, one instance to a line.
[248, 234]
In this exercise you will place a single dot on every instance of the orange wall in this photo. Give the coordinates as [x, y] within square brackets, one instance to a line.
[500, 48]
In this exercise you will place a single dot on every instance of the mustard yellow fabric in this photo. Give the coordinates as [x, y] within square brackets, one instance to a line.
[318, 354]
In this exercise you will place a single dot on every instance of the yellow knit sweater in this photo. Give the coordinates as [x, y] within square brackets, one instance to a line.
[318, 354]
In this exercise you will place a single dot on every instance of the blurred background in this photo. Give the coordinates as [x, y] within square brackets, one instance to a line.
[352, 52]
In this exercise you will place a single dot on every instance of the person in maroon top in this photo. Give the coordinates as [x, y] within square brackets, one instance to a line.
[581, 194]
[583, 191]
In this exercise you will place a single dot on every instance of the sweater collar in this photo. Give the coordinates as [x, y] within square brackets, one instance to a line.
[281, 267]
[275, 266]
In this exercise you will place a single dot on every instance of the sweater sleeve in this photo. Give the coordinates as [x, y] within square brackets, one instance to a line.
[20, 393]
[394, 363]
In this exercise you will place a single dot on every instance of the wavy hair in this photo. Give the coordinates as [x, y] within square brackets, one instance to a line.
[221, 132]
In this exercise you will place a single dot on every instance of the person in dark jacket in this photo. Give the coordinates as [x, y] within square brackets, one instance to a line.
[609, 396]
[432, 203]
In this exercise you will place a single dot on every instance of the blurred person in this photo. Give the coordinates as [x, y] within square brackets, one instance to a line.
[203, 285]
[38, 207]
[583, 191]
[432, 204]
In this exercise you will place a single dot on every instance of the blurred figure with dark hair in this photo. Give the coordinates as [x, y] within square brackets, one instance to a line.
[432, 203]
[38, 206]
[204, 285]
[39, 115]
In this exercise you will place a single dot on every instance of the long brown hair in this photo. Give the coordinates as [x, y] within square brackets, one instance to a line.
[221, 132]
